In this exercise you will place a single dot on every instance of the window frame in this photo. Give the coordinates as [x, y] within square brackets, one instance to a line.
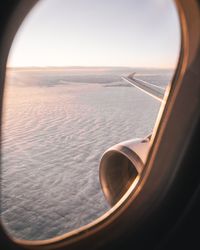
[136, 213]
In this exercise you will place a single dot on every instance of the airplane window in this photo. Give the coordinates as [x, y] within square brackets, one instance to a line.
[82, 76]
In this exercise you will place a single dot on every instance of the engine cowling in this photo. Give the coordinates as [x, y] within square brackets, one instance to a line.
[120, 165]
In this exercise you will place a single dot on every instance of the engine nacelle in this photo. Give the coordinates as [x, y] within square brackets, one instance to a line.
[120, 165]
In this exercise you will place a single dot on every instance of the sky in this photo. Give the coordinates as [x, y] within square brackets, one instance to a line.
[133, 33]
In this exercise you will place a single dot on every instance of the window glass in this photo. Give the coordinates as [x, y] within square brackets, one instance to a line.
[68, 98]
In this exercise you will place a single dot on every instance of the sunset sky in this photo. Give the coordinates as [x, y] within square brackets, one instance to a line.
[98, 33]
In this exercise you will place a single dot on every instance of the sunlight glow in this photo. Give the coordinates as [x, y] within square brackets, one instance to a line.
[98, 33]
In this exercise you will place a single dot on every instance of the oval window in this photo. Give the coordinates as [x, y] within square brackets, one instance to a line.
[81, 77]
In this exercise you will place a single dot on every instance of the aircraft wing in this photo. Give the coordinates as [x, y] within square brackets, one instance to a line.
[153, 90]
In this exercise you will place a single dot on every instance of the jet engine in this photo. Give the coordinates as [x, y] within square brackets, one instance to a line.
[120, 165]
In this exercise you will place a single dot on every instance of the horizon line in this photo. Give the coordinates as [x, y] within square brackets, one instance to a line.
[63, 67]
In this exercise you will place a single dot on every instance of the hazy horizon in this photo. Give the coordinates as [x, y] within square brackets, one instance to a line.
[90, 66]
